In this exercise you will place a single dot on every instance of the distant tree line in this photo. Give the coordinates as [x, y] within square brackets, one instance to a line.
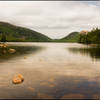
[91, 37]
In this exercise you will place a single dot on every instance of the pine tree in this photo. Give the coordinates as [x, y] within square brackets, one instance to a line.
[3, 38]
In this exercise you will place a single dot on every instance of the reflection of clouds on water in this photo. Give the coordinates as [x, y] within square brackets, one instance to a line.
[47, 84]
[51, 80]
[67, 87]
[96, 96]
[51, 73]
[53, 86]
[31, 89]
[73, 96]
[44, 96]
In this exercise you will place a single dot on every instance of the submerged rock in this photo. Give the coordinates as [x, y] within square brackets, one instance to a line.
[21, 77]
[12, 51]
[3, 45]
[18, 79]
[4, 51]
[25, 57]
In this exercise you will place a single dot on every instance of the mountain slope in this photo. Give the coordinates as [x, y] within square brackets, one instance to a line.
[72, 37]
[16, 33]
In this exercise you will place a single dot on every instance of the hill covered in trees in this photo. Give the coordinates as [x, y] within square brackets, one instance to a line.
[92, 37]
[72, 37]
[16, 34]
[12, 33]
[85, 37]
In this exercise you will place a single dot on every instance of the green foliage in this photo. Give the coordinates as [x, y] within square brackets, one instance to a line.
[21, 34]
[72, 37]
[83, 38]
[3, 38]
[12, 33]
[92, 37]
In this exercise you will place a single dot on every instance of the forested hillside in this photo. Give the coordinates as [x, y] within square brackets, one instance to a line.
[16, 33]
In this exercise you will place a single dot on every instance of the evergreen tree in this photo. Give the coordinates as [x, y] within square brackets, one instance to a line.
[3, 38]
[92, 37]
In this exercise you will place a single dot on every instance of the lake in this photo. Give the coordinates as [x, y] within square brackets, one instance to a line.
[51, 70]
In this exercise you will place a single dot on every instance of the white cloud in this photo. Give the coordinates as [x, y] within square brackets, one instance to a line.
[53, 18]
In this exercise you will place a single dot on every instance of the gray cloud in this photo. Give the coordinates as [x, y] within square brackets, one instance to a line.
[53, 18]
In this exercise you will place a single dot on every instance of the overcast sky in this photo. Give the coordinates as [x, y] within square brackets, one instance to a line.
[55, 19]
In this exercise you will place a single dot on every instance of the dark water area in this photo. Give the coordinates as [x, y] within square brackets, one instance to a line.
[20, 50]
[93, 52]
[51, 71]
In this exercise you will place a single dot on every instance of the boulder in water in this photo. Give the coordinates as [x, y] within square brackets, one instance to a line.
[3, 45]
[18, 79]
[4, 51]
[21, 77]
[25, 57]
[12, 50]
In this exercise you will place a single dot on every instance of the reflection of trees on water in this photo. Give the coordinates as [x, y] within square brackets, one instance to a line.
[93, 52]
[20, 50]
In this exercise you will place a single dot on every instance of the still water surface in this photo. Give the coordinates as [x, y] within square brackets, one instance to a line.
[51, 70]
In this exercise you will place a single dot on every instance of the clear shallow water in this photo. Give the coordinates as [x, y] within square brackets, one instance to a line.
[54, 70]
